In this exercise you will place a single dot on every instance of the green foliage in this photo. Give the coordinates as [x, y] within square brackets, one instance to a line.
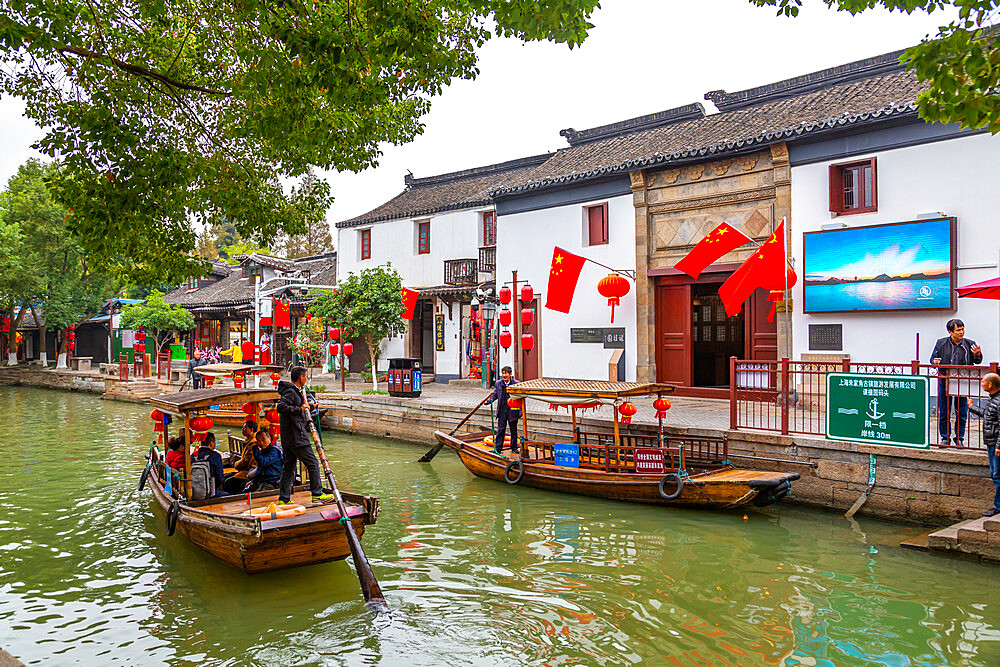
[308, 342]
[317, 238]
[369, 303]
[157, 316]
[169, 115]
[961, 64]
[42, 266]
[241, 247]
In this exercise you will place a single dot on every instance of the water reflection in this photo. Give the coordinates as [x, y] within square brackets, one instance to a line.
[477, 572]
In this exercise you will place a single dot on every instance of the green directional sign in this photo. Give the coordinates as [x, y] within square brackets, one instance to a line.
[878, 409]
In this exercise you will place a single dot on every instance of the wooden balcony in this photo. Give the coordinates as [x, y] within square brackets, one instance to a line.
[488, 259]
[461, 272]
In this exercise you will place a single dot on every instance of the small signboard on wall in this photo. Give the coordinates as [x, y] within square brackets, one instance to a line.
[567, 454]
[613, 338]
[439, 333]
[878, 409]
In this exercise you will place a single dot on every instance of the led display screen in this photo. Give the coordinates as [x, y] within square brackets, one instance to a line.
[902, 266]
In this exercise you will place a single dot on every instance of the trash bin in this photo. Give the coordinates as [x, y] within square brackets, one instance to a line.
[404, 377]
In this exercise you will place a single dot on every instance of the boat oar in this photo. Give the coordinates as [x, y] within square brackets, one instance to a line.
[437, 448]
[369, 585]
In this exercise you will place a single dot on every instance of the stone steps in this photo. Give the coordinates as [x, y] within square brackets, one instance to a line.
[980, 537]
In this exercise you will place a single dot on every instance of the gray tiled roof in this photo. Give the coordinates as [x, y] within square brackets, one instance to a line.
[855, 93]
[460, 189]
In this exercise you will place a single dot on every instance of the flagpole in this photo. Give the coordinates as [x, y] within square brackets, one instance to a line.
[788, 316]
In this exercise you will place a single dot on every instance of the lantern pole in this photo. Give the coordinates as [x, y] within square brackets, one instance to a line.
[343, 380]
[660, 420]
[576, 436]
[614, 411]
[516, 298]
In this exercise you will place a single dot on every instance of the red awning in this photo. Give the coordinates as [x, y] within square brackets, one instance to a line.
[988, 289]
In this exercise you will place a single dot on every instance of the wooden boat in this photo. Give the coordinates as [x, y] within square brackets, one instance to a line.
[222, 528]
[230, 414]
[686, 471]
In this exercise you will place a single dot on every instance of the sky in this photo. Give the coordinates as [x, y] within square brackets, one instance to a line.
[641, 57]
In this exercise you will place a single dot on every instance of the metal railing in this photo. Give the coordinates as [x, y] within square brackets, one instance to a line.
[461, 271]
[163, 361]
[790, 396]
[488, 258]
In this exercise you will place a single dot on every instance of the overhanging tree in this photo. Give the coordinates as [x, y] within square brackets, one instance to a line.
[370, 303]
[157, 316]
[167, 113]
[961, 65]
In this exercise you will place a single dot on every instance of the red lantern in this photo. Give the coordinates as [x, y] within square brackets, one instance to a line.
[272, 416]
[201, 424]
[527, 316]
[70, 335]
[238, 380]
[197, 437]
[140, 336]
[156, 416]
[527, 342]
[274, 429]
[309, 316]
[334, 333]
[515, 403]
[348, 348]
[249, 409]
[209, 379]
[505, 317]
[505, 339]
[72, 326]
[334, 349]
[504, 295]
[613, 287]
[527, 294]
[661, 405]
[275, 378]
[158, 426]
[138, 347]
[626, 410]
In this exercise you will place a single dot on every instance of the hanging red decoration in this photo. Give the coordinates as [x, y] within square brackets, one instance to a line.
[626, 410]
[527, 294]
[273, 416]
[505, 339]
[72, 346]
[238, 380]
[249, 408]
[274, 429]
[527, 342]
[504, 295]
[138, 347]
[158, 426]
[661, 405]
[265, 322]
[156, 416]
[309, 317]
[527, 317]
[201, 424]
[348, 348]
[515, 403]
[613, 287]
[505, 317]
[72, 326]
[275, 377]
[334, 349]
[209, 379]
[70, 335]
[197, 437]
[334, 333]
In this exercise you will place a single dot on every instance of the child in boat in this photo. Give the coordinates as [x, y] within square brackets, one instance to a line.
[269, 462]
[236, 481]
[175, 452]
[207, 453]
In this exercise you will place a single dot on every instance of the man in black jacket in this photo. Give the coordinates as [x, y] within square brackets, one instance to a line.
[953, 350]
[295, 439]
[991, 434]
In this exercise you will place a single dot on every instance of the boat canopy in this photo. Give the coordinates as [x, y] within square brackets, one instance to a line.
[582, 392]
[183, 402]
[216, 370]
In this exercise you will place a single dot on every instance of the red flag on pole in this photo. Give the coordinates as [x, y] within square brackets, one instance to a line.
[563, 276]
[766, 268]
[724, 238]
[409, 303]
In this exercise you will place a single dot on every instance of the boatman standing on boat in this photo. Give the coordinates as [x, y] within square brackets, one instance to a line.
[505, 414]
[295, 439]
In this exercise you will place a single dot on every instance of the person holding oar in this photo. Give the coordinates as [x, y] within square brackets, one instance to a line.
[506, 415]
[295, 421]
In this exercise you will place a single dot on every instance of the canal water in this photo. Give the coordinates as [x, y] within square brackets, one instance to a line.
[476, 572]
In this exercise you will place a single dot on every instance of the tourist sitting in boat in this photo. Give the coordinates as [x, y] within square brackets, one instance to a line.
[269, 462]
[208, 453]
[236, 481]
[505, 414]
[174, 457]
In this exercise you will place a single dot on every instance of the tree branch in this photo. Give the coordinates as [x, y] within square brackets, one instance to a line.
[140, 71]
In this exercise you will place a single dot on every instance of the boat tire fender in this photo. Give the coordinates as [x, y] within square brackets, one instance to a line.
[515, 464]
[173, 512]
[676, 493]
[144, 477]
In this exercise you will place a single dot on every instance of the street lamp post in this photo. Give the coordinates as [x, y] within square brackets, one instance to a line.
[259, 292]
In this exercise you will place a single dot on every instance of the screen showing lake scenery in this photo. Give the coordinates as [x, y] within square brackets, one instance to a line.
[904, 266]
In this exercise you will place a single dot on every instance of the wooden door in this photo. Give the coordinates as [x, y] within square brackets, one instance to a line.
[762, 336]
[673, 334]
[528, 365]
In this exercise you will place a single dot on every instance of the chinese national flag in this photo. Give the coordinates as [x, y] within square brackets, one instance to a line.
[716, 243]
[282, 314]
[563, 276]
[766, 268]
[409, 303]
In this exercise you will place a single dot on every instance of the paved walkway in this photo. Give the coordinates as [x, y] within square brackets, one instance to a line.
[704, 413]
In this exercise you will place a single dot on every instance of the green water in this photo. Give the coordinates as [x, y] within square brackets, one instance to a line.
[476, 572]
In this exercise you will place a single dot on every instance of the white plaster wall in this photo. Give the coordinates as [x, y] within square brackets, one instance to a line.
[958, 177]
[525, 242]
[448, 361]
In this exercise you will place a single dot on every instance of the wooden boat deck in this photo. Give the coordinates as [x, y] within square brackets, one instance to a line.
[237, 505]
